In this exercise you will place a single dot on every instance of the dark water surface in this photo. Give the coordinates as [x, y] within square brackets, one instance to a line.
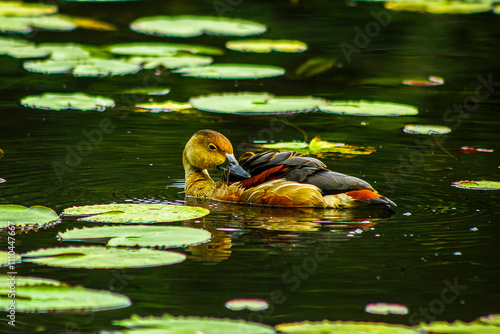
[308, 264]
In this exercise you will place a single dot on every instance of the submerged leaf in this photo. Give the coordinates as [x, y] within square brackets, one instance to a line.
[426, 129]
[468, 150]
[267, 45]
[232, 71]
[315, 66]
[477, 185]
[62, 101]
[21, 216]
[367, 108]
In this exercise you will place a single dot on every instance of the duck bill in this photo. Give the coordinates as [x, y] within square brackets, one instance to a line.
[231, 165]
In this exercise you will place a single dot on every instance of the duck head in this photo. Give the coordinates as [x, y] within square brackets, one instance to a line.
[209, 149]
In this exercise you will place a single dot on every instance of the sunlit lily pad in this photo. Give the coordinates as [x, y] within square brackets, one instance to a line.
[62, 101]
[101, 257]
[232, 71]
[477, 185]
[6, 259]
[426, 129]
[191, 26]
[343, 327]
[440, 7]
[41, 295]
[386, 308]
[25, 25]
[21, 216]
[254, 103]
[91, 67]
[136, 213]
[56, 51]
[8, 44]
[267, 45]
[458, 327]
[161, 49]
[170, 62]
[164, 106]
[367, 108]
[180, 325]
[251, 304]
[490, 319]
[140, 236]
[319, 146]
[19, 8]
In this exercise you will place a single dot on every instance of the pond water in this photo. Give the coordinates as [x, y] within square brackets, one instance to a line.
[308, 264]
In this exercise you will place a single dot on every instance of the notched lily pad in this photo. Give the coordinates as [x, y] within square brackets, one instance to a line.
[90, 67]
[151, 49]
[343, 327]
[477, 185]
[232, 71]
[21, 216]
[254, 103]
[136, 213]
[191, 26]
[101, 257]
[25, 25]
[367, 108]
[267, 45]
[62, 101]
[426, 129]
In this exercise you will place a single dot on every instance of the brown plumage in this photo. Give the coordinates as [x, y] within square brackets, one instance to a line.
[271, 178]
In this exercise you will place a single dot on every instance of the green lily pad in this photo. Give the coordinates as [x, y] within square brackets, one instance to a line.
[180, 325]
[21, 216]
[62, 101]
[90, 67]
[8, 44]
[477, 185]
[191, 26]
[386, 308]
[170, 62]
[251, 304]
[137, 213]
[101, 257]
[343, 327]
[19, 8]
[161, 49]
[490, 319]
[141, 236]
[367, 108]
[25, 25]
[254, 103]
[160, 91]
[56, 51]
[426, 129]
[41, 295]
[319, 146]
[232, 71]
[6, 260]
[26, 281]
[267, 45]
[440, 7]
[458, 327]
[166, 106]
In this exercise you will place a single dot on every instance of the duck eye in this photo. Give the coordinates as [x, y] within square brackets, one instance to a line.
[212, 147]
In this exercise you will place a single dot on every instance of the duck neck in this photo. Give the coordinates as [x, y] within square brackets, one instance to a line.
[198, 181]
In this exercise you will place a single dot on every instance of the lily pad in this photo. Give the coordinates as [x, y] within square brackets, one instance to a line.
[161, 49]
[319, 146]
[164, 106]
[477, 185]
[191, 26]
[21, 216]
[101, 257]
[25, 25]
[25, 281]
[170, 62]
[343, 327]
[386, 308]
[62, 101]
[250, 304]
[56, 51]
[141, 236]
[90, 67]
[136, 213]
[426, 129]
[254, 103]
[267, 45]
[6, 259]
[367, 108]
[38, 296]
[19, 8]
[8, 44]
[440, 7]
[490, 319]
[232, 71]
[458, 327]
[181, 325]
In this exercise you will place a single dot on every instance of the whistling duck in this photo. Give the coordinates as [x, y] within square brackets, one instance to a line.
[270, 178]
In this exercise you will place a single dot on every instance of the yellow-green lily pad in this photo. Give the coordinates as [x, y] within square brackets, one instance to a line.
[440, 7]
[139, 235]
[9, 44]
[367, 108]
[25, 25]
[21, 216]
[151, 49]
[343, 327]
[62, 101]
[316, 145]
[90, 67]
[254, 103]
[101, 257]
[477, 185]
[490, 319]
[166, 106]
[191, 26]
[56, 51]
[20, 8]
[458, 327]
[426, 129]
[386, 308]
[181, 325]
[5, 258]
[267, 45]
[232, 71]
[136, 213]
[170, 62]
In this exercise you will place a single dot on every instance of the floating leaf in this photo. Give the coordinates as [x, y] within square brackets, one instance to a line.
[181, 325]
[164, 106]
[148, 91]
[141, 236]
[170, 61]
[468, 150]
[62, 101]
[101, 257]
[432, 81]
[477, 185]
[191, 26]
[161, 49]
[41, 295]
[426, 129]
[251, 304]
[21, 216]
[367, 108]
[8, 44]
[286, 146]
[343, 327]
[254, 103]
[267, 45]
[315, 66]
[490, 319]
[319, 146]
[25, 25]
[458, 327]
[6, 259]
[440, 7]
[232, 71]
[91, 67]
[56, 51]
[386, 308]
[137, 213]
[19, 8]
